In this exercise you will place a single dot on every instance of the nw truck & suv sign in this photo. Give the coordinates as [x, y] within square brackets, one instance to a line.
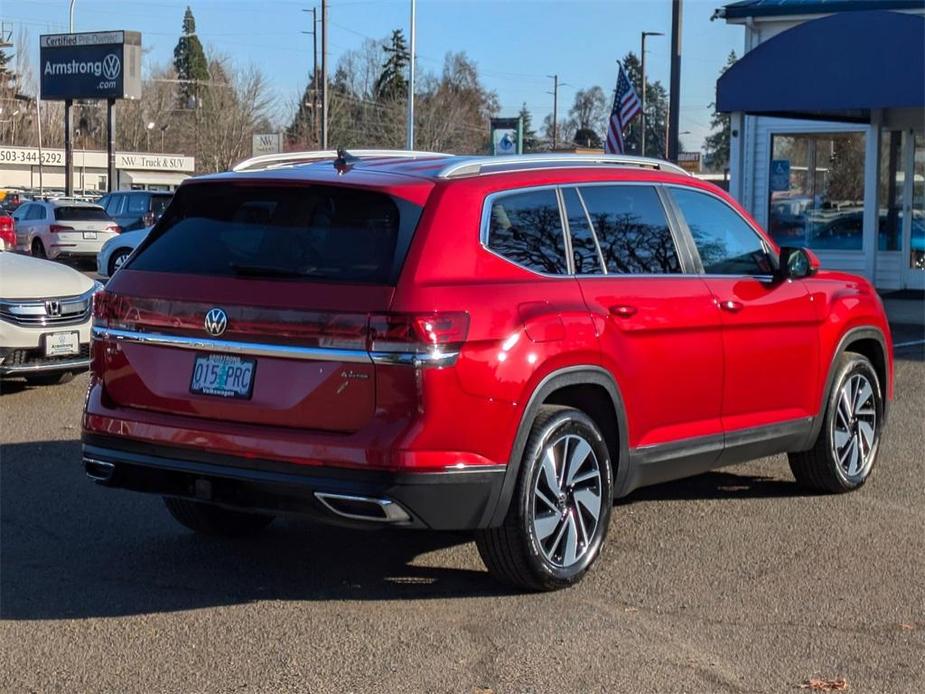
[98, 65]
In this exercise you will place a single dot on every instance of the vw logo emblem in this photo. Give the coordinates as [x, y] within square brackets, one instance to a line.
[111, 66]
[216, 321]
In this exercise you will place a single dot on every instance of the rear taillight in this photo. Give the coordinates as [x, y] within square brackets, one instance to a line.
[7, 233]
[58, 228]
[428, 339]
[105, 306]
[114, 228]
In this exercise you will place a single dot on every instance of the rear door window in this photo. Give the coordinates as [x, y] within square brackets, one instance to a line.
[526, 228]
[323, 233]
[35, 212]
[81, 214]
[584, 246]
[137, 204]
[632, 229]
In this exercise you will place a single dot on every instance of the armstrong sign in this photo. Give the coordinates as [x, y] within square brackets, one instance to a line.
[99, 65]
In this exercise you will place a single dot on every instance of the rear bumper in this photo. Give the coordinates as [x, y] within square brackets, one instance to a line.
[446, 500]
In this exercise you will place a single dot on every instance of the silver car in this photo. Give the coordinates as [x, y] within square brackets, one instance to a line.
[62, 228]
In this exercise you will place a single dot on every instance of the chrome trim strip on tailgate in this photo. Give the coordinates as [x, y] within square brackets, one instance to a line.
[255, 349]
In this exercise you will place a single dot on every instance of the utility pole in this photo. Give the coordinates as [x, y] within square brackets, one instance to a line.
[324, 74]
[674, 101]
[555, 110]
[314, 78]
[411, 80]
[642, 114]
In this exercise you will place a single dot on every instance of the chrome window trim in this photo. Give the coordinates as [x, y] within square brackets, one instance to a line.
[255, 349]
[568, 229]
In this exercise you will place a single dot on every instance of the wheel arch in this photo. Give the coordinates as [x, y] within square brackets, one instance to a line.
[589, 388]
[870, 342]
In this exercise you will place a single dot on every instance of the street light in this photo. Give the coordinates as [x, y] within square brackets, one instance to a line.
[642, 115]
[148, 128]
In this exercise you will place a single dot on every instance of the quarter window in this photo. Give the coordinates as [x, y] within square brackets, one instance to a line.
[631, 229]
[36, 212]
[526, 229]
[584, 247]
[726, 243]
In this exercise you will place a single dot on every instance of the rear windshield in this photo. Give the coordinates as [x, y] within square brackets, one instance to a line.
[325, 233]
[81, 214]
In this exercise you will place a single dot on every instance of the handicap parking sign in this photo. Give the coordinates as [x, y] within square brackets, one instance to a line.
[780, 174]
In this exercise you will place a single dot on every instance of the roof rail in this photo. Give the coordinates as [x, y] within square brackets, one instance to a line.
[273, 161]
[476, 166]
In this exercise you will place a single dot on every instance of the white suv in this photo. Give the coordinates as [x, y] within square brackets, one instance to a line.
[62, 228]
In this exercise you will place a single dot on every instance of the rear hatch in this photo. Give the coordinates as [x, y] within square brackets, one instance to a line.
[82, 222]
[250, 302]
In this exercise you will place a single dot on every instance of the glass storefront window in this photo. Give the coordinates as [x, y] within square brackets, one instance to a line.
[891, 191]
[817, 190]
[917, 233]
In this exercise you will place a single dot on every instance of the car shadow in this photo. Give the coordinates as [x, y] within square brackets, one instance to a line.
[72, 549]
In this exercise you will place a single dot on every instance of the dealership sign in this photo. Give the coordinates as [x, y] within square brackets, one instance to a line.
[98, 65]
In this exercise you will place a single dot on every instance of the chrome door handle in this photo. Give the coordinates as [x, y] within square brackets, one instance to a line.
[731, 306]
[623, 310]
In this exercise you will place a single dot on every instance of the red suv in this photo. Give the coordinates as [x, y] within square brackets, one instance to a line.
[498, 344]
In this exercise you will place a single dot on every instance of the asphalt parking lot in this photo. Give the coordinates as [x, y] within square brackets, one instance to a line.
[733, 581]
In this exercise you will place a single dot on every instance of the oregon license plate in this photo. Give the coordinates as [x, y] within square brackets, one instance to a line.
[223, 375]
[62, 344]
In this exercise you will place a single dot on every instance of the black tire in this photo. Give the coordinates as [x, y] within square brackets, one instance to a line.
[50, 379]
[208, 519]
[819, 469]
[513, 553]
[120, 254]
[38, 249]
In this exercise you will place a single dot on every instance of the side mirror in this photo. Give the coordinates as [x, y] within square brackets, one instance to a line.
[797, 263]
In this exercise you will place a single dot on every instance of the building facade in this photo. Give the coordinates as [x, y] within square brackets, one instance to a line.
[821, 155]
[20, 170]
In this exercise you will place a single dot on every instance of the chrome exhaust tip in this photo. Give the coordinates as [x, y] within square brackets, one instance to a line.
[99, 470]
[363, 508]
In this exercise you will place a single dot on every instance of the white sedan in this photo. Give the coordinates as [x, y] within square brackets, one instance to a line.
[45, 314]
[117, 250]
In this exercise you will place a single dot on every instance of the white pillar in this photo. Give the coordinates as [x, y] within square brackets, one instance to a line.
[869, 238]
[737, 156]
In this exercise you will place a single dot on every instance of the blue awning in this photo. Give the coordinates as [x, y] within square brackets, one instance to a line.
[834, 68]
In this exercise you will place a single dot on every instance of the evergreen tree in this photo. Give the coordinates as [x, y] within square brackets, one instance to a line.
[716, 145]
[189, 60]
[392, 83]
[9, 83]
[531, 144]
[303, 128]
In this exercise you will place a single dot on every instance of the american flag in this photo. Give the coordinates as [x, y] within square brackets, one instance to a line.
[626, 106]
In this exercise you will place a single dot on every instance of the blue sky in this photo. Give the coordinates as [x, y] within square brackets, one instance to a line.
[516, 43]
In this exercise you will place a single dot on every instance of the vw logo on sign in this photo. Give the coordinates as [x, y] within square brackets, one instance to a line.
[216, 322]
[111, 66]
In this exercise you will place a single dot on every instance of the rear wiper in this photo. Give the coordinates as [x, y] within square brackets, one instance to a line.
[263, 271]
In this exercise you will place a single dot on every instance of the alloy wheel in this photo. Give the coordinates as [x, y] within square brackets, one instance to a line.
[854, 431]
[566, 502]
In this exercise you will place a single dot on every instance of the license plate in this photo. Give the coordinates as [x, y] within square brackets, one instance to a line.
[223, 375]
[62, 344]
[89, 234]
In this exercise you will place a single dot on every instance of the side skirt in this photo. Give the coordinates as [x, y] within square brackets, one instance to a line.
[671, 461]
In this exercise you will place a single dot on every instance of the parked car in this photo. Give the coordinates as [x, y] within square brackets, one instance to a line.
[136, 209]
[62, 228]
[44, 319]
[7, 232]
[502, 345]
[117, 250]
